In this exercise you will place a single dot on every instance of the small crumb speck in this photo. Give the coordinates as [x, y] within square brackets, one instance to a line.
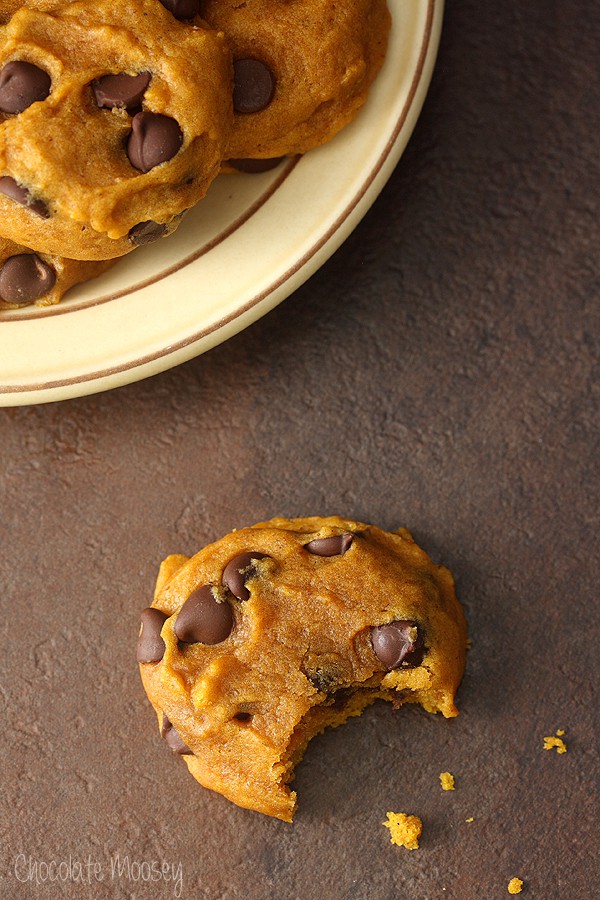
[447, 781]
[405, 830]
[556, 743]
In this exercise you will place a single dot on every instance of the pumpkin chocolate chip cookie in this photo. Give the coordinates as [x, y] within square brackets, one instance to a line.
[302, 69]
[40, 278]
[264, 638]
[106, 138]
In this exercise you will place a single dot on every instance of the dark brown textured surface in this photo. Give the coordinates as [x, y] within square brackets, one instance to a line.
[440, 372]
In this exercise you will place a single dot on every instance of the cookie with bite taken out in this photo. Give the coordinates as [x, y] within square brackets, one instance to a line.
[264, 638]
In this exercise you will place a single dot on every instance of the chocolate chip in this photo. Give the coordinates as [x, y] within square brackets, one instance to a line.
[182, 9]
[154, 139]
[253, 85]
[25, 278]
[398, 643]
[336, 545]
[238, 570]
[150, 645]
[173, 739]
[123, 91]
[243, 717]
[21, 195]
[202, 619]
[146, 232]
[255, 166]
[21, 84]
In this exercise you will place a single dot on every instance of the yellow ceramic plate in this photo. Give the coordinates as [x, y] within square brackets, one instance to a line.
[251, 242]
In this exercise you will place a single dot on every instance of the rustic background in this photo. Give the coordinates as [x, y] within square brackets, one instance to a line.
[438, 373]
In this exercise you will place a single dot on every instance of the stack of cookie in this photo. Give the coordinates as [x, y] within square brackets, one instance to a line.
[115, 119]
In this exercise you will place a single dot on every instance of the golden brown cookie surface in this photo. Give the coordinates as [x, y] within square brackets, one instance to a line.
[303, 68]
[127, 133]
[267, 636]
[40, 278]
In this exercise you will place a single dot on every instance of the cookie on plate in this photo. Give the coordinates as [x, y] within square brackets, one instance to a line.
[303, 68]
[114, 119]
[264, 638]
[29, 278]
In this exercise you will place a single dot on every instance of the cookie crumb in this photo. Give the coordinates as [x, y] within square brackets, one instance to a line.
[447, 781]
[557, 742]
[405, 831]
[515, 885]
[470, 819]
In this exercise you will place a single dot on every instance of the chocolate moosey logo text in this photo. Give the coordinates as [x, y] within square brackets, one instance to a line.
[86, 871]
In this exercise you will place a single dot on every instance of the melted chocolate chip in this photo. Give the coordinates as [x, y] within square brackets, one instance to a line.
[173, 739]
[182, 9]
[238, 570]
[150, 645]
[253, 85]
[146, 232]
[243, 717]
[399, 698]
[398, 643]
[21, 84]
[336, 545]
[21, 195]
[25, 278]
[341, 697]
[202, 619]
[255, 166]
[122, 91]
[154, 139]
